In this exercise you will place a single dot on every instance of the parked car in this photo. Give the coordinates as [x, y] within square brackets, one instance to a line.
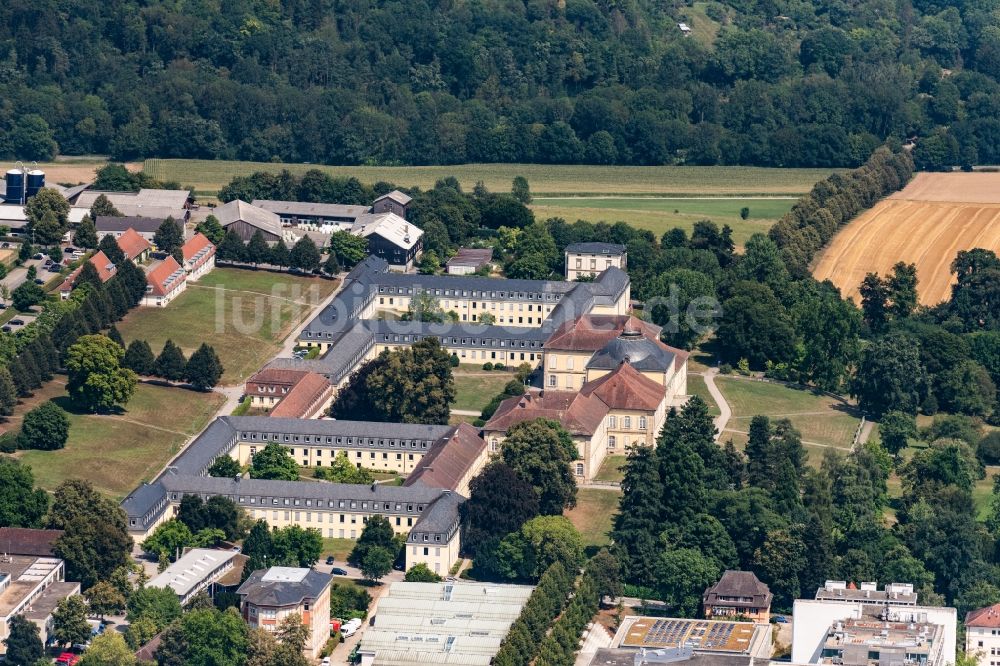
[325, 662]
[329, 559]
[4, 244]
[6, 328]
[67, 658]
[3, 306]
[337, 571]
[17, 322]
[39, 281]
[38, 255]
[780, 619]
[347, 631]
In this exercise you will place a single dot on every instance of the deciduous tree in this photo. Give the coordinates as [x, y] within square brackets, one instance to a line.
[97, 380]
[540, 452]
[274, 462]
[45, 427]
[21, 505]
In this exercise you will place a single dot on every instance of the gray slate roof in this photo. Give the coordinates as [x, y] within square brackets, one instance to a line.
[283, 593]
[340, 428]
[307, 209]
[641, 352]
[596, 248]
[237, 210]
[397, 196]
[143, 225]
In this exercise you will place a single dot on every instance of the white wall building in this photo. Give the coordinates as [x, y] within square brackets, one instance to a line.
[195, 571]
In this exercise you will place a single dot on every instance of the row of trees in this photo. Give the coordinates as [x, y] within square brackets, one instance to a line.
[303, 256]
[203, 370]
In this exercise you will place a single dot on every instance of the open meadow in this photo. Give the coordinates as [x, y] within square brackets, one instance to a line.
[659, 214]
[208, 176]
[474, 387]
[594, 516]
[926, 223]
[824, 422]
[115, 452]
[243, 314]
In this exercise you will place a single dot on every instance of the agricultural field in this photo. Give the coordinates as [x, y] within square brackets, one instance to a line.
[926, 223]
[243, 314]
[208, 176]
[659, 214]
[824, 422]
[71, 170]
[594, 515]
[118, 451]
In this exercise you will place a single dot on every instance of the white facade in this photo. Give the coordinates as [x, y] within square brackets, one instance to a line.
[194, 572]
[983, 643]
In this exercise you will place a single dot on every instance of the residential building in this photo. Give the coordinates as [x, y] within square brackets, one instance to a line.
[676, 636]
[738, 594]
[441, 623]
[196, 570]
[144, 203]
[135, 248]
[469, 260]
[199, 256]
[246, 220]
[308, 399]
[856, 632]
[295, 213]
[592, 259]
[32, 586]
[394, 202]
[390, 237]
[452, 464]
[269, 386]
[164, 282]
[270, 595]
[105, 270]
[116, 226]
[982, 635]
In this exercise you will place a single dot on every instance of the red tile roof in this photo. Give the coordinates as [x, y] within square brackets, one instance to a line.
[198, 243]
[274, 376]
[24, 541]
[592, 332]
[302, 398]
[105, 270]
[166, 277]
[626, 388]
[446, 465]
[988, 617]
[132, 244]
[580, 414]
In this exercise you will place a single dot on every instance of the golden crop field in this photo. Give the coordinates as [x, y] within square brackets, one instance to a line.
[926, 224]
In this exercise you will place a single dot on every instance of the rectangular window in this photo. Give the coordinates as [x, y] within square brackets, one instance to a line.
[627, 422]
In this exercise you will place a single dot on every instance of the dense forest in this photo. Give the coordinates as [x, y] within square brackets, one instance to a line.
[779, 83]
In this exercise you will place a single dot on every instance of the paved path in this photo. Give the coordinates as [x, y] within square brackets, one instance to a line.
[466, 412]
[866, 432]
[290, 341]
[725, 412]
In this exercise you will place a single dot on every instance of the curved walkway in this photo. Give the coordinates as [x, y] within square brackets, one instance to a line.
[725, 412]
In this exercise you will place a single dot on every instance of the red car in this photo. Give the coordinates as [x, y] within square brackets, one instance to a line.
[68, 658]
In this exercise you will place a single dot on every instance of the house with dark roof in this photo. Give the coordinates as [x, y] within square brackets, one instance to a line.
[269, 596]
[116, 226]
[164, 282]
[105, 270]
[144, 203]
[296, 213]
[738, 594]
[587, 260]
[199, 256]
[390, 237]
[26, 541]
[469, 260]
[394, 202]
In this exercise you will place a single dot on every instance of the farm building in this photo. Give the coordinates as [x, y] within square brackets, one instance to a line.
[144, 203]
[245, 220]
[394, 202]
[390, 237]
[294, 213]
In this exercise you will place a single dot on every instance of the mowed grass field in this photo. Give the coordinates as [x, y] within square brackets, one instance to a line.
[927, 224]
[593, 516]
[474, 388]
[116, 452]
[208, 176]
[243, 314]
[824, 422]
[661, 214]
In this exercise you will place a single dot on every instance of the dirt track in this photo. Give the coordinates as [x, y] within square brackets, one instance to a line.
[922, 224]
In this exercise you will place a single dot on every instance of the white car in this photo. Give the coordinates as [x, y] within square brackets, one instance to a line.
[325, 662]
[348, 630]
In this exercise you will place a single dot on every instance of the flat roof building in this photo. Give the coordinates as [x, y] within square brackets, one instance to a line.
[32, 586]
[469, 260]
[195, 571]
[898, 594]
[702, 636]
[441, 623]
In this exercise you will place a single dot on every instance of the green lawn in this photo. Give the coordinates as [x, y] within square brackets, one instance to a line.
[475, 388]
[611, 469]
[243, 314]
[659, 215]
[208, 176]
[821, 420]
[594, 515]
[339, 548]
[116, 452]
[696, 386]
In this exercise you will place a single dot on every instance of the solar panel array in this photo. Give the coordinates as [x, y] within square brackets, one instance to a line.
[695, 634]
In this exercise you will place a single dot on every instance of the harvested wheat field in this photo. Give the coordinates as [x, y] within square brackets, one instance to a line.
[926, 224]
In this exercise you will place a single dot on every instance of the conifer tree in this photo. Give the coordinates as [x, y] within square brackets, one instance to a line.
[203, 370]
[171, 364]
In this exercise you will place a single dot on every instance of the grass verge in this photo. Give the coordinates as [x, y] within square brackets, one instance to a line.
[610, 469]
[475, 388]
[594, 515]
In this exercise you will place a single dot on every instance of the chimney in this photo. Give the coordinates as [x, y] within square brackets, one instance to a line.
[373, 487]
